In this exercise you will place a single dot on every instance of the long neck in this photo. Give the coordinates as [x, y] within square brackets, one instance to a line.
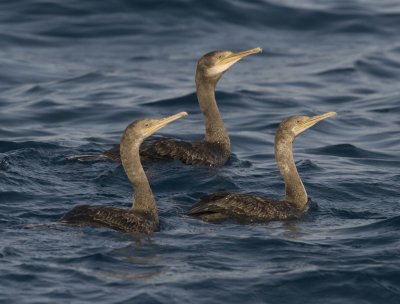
[143, 200]
[294, 188]
[215, 129]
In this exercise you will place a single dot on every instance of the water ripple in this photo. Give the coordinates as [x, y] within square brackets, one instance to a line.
[73, 74]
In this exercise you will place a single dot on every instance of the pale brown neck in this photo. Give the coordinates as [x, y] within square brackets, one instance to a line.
[215, 130]
[143, 201]
[294, 188]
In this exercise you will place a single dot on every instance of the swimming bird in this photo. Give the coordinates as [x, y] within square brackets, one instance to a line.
[215, 148]
[218, 207]
[142, 217]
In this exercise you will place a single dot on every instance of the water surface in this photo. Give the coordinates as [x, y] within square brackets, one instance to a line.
[74, 74]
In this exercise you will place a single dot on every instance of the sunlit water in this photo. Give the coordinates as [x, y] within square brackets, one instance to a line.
[73, 74]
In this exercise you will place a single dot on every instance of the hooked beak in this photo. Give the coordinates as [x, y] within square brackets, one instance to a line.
[224, 64]
[234, 57]
[163, 122]
[312, 121]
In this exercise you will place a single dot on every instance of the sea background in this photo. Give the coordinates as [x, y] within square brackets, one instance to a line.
[74, 73]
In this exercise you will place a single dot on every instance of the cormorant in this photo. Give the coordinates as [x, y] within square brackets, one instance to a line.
[143, 215]
[222, 206]
[215, 148]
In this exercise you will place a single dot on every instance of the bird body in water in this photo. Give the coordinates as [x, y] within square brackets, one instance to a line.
[215, 148]
[142, 217]
[222, 206]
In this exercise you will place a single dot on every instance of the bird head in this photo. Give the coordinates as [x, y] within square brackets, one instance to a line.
[295, 125]
[212, 65]
[140, 129]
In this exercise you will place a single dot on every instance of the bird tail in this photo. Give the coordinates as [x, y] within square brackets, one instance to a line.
[111, 154]
[87, 157]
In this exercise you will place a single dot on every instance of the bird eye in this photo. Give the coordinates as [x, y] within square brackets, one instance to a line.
[220, 57]
[146, 125]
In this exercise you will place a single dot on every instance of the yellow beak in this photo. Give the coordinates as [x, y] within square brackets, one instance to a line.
[163, 122]
[312, 121]
[238, 55]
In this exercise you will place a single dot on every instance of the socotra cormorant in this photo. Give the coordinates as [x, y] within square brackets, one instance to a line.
[142, 217]
[215, 148]
[222, 206]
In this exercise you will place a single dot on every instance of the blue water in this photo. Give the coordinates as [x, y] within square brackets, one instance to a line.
[74, 73]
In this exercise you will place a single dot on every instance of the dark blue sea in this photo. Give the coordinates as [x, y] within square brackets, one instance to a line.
[74, 73]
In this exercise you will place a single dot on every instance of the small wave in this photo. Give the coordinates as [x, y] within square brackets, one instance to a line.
[84, 78]
[190, 99]
[339, 71]
[351, 214]
[37, 90]
[346, 150]
[23, 39]
[373, 230]
[386, 109]
[123, 18]
[379, 66]
[6, 146]
[306, 165]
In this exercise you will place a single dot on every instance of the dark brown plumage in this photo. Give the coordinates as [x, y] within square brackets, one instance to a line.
[189, 153]
[214, 149]
[218, 207]
[142, 217]
[222, 206]
[125, 220]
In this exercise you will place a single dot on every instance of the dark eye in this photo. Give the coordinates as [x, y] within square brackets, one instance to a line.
[220, 57]
[146, 125]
